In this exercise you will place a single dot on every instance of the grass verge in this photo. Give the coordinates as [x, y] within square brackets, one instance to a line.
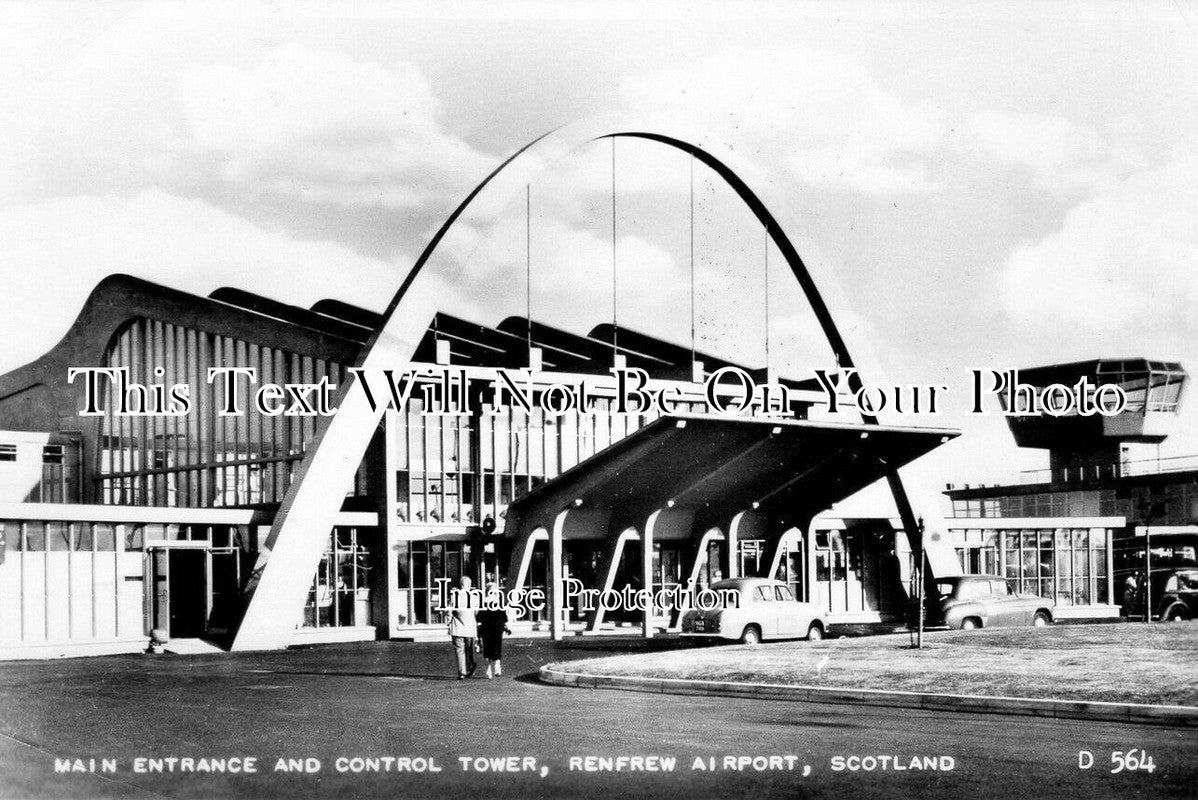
[1128, 663]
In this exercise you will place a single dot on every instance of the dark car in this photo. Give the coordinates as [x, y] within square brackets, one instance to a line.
[988, 601]
[1174, 594]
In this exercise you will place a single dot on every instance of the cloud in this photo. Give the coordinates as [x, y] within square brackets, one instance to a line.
[823, 116]
[355, 133]
[57, 250]
[1125, 259]
[572, 274]
[1060, 154]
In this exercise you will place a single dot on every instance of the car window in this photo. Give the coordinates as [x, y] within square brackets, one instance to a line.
[1187, 581]
[764, 595]
[945, 588]
[999, 588]
[783, 593]
[972, 590]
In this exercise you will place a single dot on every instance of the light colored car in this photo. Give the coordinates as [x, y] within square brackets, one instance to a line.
[988, 601]
[756, 609]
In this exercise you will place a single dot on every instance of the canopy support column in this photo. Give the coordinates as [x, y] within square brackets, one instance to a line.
[557, 604]
[733, 554]
[522, 558]
[647, 573]
[697, 558]
[610, 566]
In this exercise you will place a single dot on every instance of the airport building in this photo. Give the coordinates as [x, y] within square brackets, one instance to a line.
[114, 525]
[1108, 507]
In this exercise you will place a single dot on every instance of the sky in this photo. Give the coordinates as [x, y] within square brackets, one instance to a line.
[992, 185]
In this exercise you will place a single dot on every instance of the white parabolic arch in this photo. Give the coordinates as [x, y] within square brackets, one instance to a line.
[297, 538]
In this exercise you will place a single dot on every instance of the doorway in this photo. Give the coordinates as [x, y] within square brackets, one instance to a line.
[180, 598]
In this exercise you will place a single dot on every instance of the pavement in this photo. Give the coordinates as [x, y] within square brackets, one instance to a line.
[385, 700]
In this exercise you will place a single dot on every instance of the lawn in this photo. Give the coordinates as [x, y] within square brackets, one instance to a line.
[1128, 662]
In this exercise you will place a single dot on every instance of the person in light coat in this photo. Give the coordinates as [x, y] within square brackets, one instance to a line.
[463, 627]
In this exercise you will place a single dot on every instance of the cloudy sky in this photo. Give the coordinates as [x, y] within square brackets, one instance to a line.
[987, 185]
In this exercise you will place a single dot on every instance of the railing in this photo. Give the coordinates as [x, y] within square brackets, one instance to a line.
[1094, 472]
[1124, 469]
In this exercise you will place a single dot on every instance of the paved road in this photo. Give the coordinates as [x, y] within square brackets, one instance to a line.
[400, 700]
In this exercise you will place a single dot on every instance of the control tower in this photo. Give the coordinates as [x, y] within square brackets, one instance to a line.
[1096, 443]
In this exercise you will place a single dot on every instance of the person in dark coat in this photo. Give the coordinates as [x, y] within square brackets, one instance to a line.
[492, 625]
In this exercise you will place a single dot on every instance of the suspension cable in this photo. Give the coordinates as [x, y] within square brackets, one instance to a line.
[528, 265]
[692, 242]
[614, 319]
[767, 303]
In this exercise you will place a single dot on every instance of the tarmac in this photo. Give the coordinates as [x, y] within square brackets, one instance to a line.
[371, 720]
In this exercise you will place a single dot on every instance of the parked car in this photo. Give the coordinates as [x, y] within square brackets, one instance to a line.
[756, 609]
[988, 601]
[1174, 594]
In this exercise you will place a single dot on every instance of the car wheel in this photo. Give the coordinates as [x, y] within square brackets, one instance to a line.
[751, 636]
[1041, 620]
[1176, 614]
[970, 623]
[815, 632]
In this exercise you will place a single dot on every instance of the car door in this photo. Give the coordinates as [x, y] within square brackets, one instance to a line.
[765, 610]
[1003, 608]
[791, 620]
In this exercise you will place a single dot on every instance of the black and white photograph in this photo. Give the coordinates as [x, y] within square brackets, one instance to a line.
[584, 400]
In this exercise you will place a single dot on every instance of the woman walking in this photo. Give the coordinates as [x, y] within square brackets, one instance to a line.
[492, 625]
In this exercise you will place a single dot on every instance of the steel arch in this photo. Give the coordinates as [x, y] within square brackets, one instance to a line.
[301, 527]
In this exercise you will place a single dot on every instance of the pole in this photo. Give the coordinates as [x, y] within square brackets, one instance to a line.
[922, 595]
[1148, 573]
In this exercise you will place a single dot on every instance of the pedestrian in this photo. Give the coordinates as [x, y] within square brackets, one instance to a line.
[463, 627]
[1131, 594]
[492, 625]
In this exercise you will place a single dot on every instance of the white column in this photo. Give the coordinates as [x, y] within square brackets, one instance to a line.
[647, 572]
[556, 600]
[734, 546]
[609, 577]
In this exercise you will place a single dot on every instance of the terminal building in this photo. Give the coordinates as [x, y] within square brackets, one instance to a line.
[1108, 507]
[117, 525]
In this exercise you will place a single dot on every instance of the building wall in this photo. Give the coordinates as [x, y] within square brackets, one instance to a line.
[39, 467]
[69, 582]
[84, 578]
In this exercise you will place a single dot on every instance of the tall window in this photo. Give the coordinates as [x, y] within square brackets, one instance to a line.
[201, 459]
[340, 593]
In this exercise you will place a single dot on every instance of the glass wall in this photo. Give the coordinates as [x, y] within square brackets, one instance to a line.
[978, 552]
[1170, 504]
[201, 459]
[857, 571]
[1066, 565]
[340, 593]
[420, 565]
[459, 469]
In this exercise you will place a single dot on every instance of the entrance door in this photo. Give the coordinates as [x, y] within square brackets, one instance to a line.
[180, 578]
[188, 588]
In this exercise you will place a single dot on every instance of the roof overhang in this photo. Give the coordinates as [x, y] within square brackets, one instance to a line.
[718, 465]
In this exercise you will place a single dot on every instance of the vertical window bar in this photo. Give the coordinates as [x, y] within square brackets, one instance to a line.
[95, 559]
[70, 532]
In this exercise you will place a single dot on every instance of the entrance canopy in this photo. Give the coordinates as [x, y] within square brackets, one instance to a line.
[718, 465]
